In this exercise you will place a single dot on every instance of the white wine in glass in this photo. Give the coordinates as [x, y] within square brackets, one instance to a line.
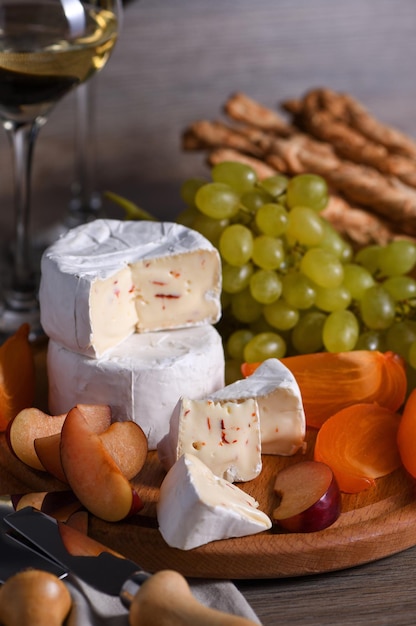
[47, 48]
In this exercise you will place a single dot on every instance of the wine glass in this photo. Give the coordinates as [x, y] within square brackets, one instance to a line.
[47, 48]
[85, 203]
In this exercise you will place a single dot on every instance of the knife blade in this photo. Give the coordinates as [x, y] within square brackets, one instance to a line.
[163, 598]
[15, 558]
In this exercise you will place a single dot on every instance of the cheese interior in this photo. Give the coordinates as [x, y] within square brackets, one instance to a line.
[223, 435]
[155, 294]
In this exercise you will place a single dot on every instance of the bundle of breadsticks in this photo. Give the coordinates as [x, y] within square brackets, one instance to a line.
[370, 167]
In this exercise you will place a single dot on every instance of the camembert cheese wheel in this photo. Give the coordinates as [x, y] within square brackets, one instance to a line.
[105, 280]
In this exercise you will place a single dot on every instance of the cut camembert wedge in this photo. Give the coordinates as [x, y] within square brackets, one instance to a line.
[280, 410]
[196, 507]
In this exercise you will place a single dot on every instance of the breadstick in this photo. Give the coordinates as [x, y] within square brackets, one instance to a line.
[244, 109]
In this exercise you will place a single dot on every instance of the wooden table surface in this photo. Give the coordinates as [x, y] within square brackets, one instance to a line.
[179, 61]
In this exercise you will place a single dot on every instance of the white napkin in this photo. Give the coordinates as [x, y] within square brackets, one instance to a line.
[92, 608]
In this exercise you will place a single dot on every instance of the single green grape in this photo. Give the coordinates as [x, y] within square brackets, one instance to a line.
[268, 252]
[357, 279]
[399, 257]
[281, 315]
[298, 291]
[265, 286]
[189, 188]
[333, 299]
[237, 341]
[272, 219]
[217, 200]
[264, 346]
[306, 336]
[307, 190]
[340, 332]
[245, 308]
[377, 308]
[236, 244]
[322, 267]
[304, 226]
[369, 257]
[274, 185]
[401, 288]
[239, 176]
[236, 278]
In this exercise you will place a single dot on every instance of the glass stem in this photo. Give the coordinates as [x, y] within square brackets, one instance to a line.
[22, 138]
[86, 202]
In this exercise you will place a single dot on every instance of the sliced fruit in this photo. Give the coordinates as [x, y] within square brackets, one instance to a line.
[92, 473]
[310, 497]
[406, 436]
[17, 376]
[28, 425]
[359, 445]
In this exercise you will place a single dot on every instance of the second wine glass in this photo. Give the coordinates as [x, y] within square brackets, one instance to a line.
[47, 48]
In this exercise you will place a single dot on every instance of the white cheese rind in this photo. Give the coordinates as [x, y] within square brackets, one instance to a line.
[282, 416]
[107, 279]
[223, 435]
[196, 507]
[142, 378]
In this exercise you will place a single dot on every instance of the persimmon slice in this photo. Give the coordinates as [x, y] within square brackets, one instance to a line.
[17, 375]
[406, 436]
[331, 381]
[359, 443]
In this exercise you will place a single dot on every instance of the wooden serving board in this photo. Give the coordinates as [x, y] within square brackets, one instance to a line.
[373, 525]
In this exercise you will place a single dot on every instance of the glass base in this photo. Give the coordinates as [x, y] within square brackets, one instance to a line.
[17, 309]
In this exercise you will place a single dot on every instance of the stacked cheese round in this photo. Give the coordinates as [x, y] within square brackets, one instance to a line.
[129, 308]
[142, 378]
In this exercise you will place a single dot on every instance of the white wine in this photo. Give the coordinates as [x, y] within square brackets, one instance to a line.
[40, 63]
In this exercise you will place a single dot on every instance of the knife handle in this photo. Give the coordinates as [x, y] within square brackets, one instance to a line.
[165, 599]
[34, 597]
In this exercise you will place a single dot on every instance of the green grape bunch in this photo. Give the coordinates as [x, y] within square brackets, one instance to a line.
[291, 283]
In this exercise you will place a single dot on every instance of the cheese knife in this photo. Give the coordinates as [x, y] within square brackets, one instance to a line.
[163, 598]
